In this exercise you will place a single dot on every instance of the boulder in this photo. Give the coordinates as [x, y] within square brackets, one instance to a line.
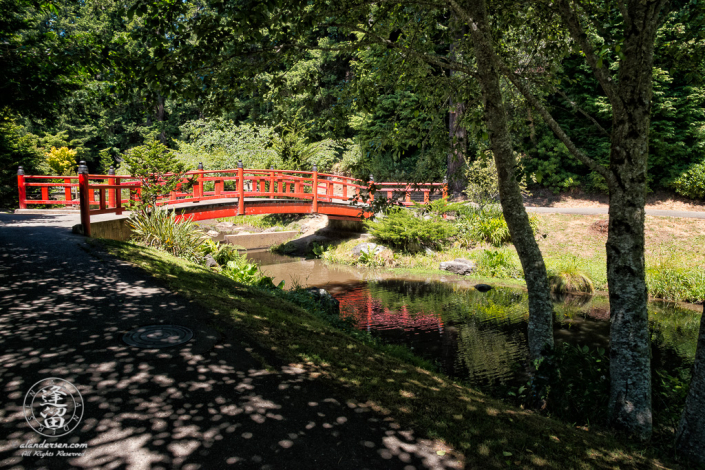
[225, 226]
[329, 303]
[367, 248]
[210, 262]
[460, 266]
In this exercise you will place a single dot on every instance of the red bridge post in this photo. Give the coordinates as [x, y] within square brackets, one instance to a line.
[372, 188]
[111, 191]
[272, 178]
[240, 189]
[314, 208]
[21, 187]
[83, 193]
[198, 187]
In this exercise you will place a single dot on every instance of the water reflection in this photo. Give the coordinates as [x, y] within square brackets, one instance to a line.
[478, 337]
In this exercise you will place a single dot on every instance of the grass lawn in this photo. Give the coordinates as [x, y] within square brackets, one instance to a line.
[484, 432]
[675, 254]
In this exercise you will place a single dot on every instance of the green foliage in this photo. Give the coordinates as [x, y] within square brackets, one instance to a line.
[159, 229]
[62, 161]
[691, 183]
[219, 144]
[239, 270]
[487, 224]
[550, 165]
[400, 228]
[483, 186]
[568, 278]
[296, 152]
[437, 208]
[222, 253]
[369, 256]
[17, 148]
[157, 169]
[570, 383]
[498, 263]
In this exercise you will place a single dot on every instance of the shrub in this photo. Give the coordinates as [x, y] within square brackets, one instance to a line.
[62, 161]
[159, 229]
[691, 183]
[400, 228]
[157, 169]
[483, 186]
[487, 224]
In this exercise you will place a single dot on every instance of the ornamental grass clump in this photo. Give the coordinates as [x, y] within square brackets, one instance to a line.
[159, 229]
[568, 278]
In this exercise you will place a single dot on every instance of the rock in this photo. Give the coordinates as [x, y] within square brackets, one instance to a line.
[210, 262]
[329, 303]
[483, 287]
[78, 229]
[460, 266]
[213, 233]
[430, 252]
[272, 229]
[225, 226]
[367, 248]
[244, 233]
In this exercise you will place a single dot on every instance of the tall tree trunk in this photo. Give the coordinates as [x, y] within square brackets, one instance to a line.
[458, 148]
[630, 358]
[457, 133]
[540, 330]
[690, 437]
[630, 97]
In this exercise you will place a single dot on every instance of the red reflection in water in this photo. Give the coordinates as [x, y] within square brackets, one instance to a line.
[369, 314]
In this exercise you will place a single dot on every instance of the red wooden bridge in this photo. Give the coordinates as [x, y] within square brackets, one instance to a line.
[214, 194]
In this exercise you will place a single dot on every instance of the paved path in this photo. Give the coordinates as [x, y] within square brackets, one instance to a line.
[206, 405]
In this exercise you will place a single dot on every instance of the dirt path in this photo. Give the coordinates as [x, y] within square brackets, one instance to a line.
[208, 404]
[657, 201]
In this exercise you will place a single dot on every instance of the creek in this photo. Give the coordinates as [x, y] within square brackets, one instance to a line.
[476, 337]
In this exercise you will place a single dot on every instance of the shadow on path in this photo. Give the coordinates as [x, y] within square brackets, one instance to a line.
[207, 404]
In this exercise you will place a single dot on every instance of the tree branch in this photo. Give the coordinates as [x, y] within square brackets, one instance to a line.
[571, 20]
[555, 127]
[580, 110]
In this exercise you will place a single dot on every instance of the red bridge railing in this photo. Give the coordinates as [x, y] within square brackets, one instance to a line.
[111, 193]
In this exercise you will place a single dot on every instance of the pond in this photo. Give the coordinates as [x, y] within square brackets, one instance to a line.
[476, 337]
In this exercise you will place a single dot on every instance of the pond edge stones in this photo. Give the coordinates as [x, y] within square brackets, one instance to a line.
[460, 266]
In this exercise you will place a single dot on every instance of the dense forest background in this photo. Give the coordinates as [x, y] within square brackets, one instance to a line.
[81, 75]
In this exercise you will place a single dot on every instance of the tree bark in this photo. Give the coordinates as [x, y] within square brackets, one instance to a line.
[458, 148]
[630, 97]
[630, 358]
[540, 329]
[690, 437]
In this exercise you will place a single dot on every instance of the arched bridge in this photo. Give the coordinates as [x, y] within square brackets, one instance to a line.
[211, 194]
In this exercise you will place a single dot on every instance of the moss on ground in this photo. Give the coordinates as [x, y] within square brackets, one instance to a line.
[488, 433]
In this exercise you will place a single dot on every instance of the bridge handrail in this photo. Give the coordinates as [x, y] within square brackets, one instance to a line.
[102, 194]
